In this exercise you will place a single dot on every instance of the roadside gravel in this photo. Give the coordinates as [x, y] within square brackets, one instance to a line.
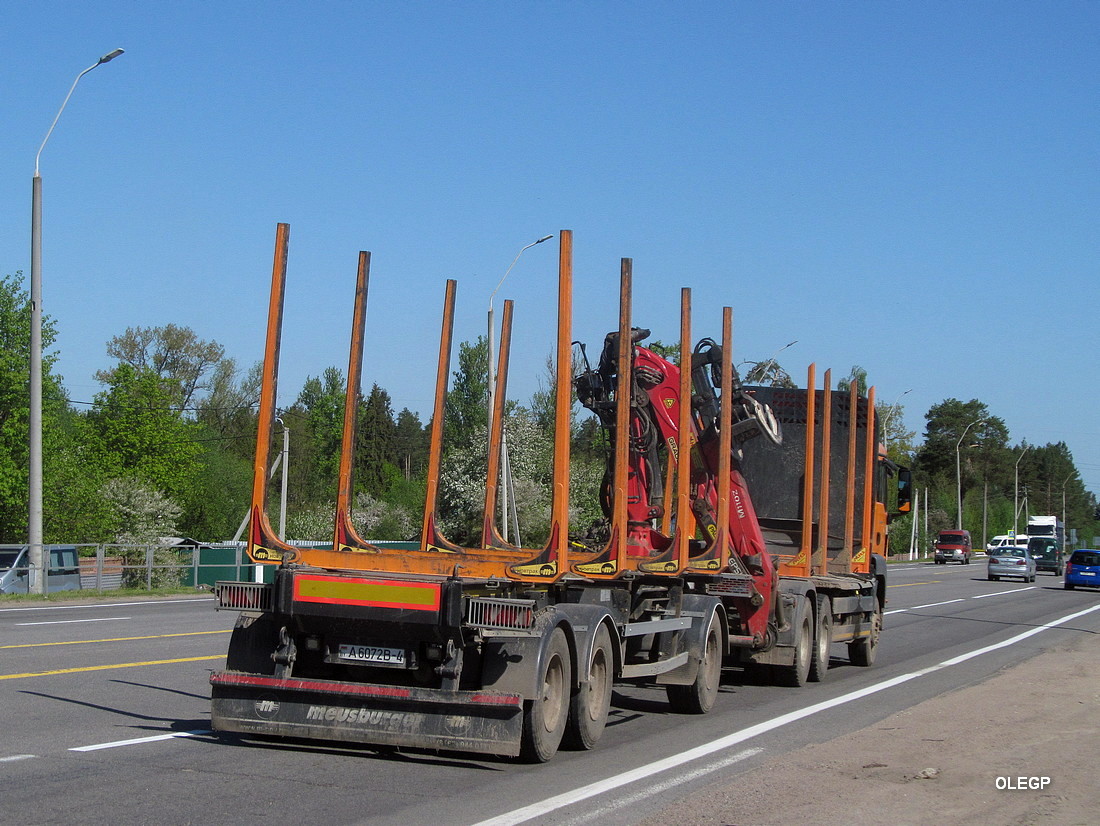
[940, 761]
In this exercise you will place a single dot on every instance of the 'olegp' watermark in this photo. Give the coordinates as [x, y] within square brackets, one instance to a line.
[1022, 783]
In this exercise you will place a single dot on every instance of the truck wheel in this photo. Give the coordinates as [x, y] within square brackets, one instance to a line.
[823, 637]
[699, 697]
[589, 706]
[862, 652]
[544, 716]
[796, 674]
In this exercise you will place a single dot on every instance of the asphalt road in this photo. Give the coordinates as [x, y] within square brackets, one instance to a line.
[106, 719]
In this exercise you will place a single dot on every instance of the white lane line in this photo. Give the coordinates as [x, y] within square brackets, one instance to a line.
[109, 604]
[140, 740]
[551, 804]
[1002, 593]
[597, 815]
[918, 607]
[70, 622]
[14, 757]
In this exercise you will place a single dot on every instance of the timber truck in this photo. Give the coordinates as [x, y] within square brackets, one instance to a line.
[745, 527]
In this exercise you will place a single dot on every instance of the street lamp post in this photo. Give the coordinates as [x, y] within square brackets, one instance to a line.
[39, 567]
[1016, 492]
[889, 413]
[958, 475]
[506, 487]
[760, 368]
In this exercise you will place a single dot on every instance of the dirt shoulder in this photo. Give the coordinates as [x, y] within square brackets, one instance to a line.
[939, 762]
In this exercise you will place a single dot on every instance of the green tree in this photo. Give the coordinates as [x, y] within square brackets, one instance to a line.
[468, 398]
[137, 430]
[173, 353]
[228, 411]
[322, 402]
[411, 442]
[376, 442]
[15, 348]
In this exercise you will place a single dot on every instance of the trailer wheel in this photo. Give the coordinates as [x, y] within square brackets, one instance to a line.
[544, 717]
[862, 651]
[589, 706]
[796, 674]
[823, 637]
[699, 697]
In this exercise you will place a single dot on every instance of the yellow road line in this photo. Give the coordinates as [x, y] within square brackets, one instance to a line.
[105, 667]
[907, 584]
[116, 639]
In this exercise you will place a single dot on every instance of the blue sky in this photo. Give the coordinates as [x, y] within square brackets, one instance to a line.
[911, 187]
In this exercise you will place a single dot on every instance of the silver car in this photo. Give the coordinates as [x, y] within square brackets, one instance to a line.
[1011, 561]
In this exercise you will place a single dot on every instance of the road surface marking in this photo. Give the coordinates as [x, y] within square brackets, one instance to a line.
[1000, 593]
[918, 607]
[13, 758]
[599, 814]
[116, 639]
[907, 584]
[69, 622]
[139, 740]
[106, 667]
[560, 801]
[109, 604]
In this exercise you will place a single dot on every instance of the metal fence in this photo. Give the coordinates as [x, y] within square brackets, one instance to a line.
[108, 567]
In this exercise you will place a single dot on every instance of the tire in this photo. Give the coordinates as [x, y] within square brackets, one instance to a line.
[862, 652]
[1068, 587]
[796, 674]
[823, 637]
[699, 697]
[545, 716]
[590, 704]
[994, 578]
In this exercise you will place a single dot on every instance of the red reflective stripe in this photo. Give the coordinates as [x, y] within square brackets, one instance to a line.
[497, 699]
[356, 689]
[323, 686]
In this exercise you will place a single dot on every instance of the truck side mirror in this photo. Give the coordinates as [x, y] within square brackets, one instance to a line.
[905, 490]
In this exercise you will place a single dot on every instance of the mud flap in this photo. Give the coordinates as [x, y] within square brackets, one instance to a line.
[473, 721]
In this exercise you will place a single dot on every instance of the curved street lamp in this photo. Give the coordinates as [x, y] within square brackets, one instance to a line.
[506, 467]
[958, 475]
[760, 368]
[39, 564]
[890, 412]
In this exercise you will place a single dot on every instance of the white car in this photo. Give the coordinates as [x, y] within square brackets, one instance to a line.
[1005, 541]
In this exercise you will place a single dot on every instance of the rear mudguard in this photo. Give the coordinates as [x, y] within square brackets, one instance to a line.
[476, 721]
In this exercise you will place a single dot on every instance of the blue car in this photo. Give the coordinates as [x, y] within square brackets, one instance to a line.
[1083, 569]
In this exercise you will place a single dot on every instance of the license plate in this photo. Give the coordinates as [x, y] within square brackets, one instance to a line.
[1088, 573]
[373, 655]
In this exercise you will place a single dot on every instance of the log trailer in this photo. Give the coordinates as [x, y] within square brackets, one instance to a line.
[514, 651]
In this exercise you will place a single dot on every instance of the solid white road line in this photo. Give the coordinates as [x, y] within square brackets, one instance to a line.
[107, 604]
[551, 804]
[69, 622]
[139, 740]
[917, 607]
[1002, 593]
